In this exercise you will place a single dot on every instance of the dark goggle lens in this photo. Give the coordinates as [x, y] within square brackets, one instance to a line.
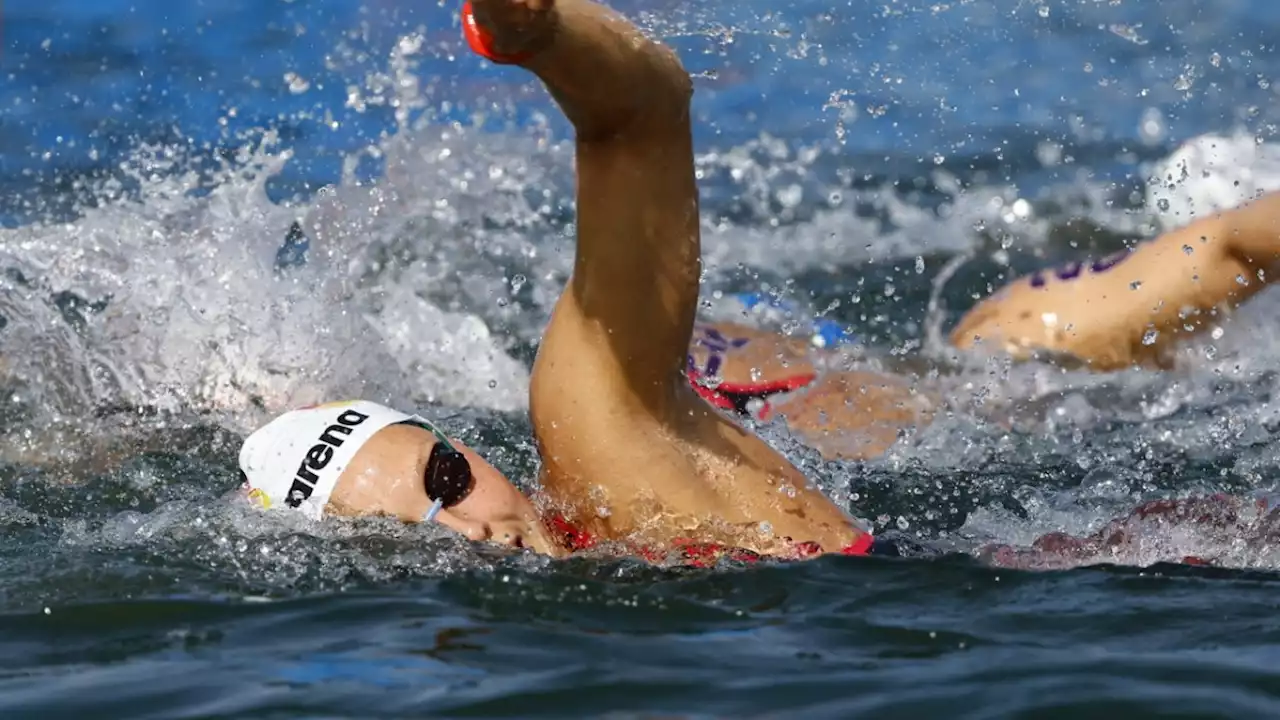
[448, 475]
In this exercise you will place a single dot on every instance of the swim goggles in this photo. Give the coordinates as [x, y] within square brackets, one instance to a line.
[447, 479]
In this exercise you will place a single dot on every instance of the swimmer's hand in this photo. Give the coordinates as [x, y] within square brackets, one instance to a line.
[513, 30]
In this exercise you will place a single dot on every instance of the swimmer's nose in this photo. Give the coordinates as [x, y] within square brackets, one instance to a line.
[472, 530]
[510, 534]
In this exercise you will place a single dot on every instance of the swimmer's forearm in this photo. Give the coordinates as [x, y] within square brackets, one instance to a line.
[605, 74]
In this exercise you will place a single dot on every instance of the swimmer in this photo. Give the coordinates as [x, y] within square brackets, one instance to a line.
[631, 453]
[1129, 309]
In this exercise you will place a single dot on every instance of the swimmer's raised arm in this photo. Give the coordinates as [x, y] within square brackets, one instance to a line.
[629, 450]
[635, 276]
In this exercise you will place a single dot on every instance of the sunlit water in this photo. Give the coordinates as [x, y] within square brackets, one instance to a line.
[154, 155]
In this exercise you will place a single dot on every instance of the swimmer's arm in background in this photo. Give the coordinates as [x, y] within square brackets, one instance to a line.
[1102, 310]
[634, 288]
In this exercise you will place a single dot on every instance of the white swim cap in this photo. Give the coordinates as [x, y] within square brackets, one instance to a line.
[295, 460]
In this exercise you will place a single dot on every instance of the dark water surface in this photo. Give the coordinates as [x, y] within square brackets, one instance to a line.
[834, 638]
[848, 151]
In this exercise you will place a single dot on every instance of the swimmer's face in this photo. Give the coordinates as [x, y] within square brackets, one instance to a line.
[387, 477]
[494, 510]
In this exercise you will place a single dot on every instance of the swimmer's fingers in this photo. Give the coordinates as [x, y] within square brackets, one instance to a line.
[510, 30]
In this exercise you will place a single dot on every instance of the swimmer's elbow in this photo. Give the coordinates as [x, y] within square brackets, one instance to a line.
[664, 84]
[1251, 232]
[662, 105]
[675, 80]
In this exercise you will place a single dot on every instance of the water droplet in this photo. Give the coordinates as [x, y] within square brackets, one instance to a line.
[297, 84]
[1186, 248]
[710, 381]
[1043, 10]
[1186, 79]
[1135, 284]
[902, 523]
[1149, 337]
[1128, 33]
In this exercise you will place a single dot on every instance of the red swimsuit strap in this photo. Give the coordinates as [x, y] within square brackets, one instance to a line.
[576, 539]
[701, 554]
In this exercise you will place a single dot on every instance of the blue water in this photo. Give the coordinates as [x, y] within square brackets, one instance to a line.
[846, 151]
[85, 81]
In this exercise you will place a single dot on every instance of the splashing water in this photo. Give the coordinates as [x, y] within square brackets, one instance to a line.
[879, 166]
[173, 299]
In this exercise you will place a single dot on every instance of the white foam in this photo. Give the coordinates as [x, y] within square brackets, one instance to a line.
[195, 318]
[1210, 173]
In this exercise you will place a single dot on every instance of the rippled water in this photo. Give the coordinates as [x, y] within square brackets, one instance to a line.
[153, 156]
